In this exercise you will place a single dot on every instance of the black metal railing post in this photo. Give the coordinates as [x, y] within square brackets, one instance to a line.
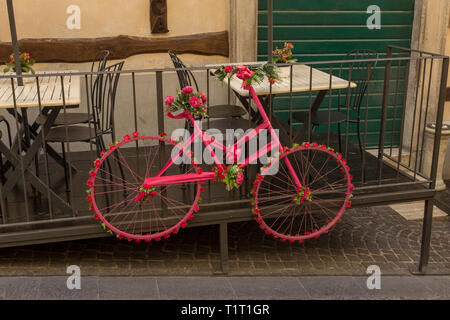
[387, 78]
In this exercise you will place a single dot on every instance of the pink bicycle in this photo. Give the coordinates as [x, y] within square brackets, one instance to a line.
[303, 198]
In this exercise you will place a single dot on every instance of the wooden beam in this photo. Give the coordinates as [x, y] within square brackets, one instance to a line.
[448, 94]
[121, 47]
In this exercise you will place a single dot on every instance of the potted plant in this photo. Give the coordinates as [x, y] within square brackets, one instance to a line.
[189, 101]
[284, 56]
[249, 75]
[26, 64]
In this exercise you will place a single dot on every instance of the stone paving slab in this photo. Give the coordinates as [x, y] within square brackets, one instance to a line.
[226, 288]
[366, 236]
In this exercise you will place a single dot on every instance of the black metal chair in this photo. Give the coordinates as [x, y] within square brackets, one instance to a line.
[98, 65]
[103, 103]
[360, 72]
[186, 78]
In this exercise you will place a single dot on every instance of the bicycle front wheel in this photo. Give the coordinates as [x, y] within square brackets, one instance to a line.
[126, 209]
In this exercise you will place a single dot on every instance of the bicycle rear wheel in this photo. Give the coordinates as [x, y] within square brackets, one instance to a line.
[288, 212]
[120, 203]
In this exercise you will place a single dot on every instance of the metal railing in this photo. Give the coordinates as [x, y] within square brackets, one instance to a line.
[412, 95]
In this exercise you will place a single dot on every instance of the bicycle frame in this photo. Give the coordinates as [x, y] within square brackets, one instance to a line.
[207, 141]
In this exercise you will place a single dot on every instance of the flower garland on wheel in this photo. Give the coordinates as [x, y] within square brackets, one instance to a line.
[187, 100]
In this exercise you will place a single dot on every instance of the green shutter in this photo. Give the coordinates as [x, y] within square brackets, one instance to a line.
[326, 30]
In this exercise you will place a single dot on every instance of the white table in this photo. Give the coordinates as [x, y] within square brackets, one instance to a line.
[50, 99]
[50, 91]
[304, 79]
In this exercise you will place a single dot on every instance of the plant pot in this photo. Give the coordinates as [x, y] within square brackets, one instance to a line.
[284, 72]
[27, 80]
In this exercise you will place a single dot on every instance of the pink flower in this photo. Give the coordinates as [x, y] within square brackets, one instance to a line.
[169, 100]
[228, 69]
[239, 178]
[195, 102]
[187, 90]
[204, 98]
[146, 185]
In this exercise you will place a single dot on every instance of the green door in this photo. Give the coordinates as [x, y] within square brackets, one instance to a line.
[323, 30]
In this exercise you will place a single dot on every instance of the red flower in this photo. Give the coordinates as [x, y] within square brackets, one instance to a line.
[135, 134]
[203, 96]
[195, 102]
[228, 69]
[239, 178]
[187, 90]
[169, 100]
[92, 173]
[90, 183]
[146, 185]
[271, 81]
[163, 134]
[97, 163]
[102, 153]
[126, 137]
[89, 198]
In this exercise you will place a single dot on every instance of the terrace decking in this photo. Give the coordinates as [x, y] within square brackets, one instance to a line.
[218, 206]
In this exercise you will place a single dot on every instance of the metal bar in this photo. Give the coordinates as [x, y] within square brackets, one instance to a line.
[269, 30]
[22, 165]
[415, 111]
[308, 63]
[402, 128]
[420, 119]
[49, 199]
[14, 42]
[223, 234]
[387, 76]
[290, 103]
[426, 114]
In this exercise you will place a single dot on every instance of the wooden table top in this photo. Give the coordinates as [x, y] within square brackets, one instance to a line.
[300, 82]
[50, 91]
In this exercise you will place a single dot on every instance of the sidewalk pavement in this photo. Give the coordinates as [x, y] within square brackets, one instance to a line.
[226, 288]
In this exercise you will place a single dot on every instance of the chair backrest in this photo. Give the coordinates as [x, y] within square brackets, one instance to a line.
[360, 72]
[185, 77]
[97, 65]
[103, 107]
